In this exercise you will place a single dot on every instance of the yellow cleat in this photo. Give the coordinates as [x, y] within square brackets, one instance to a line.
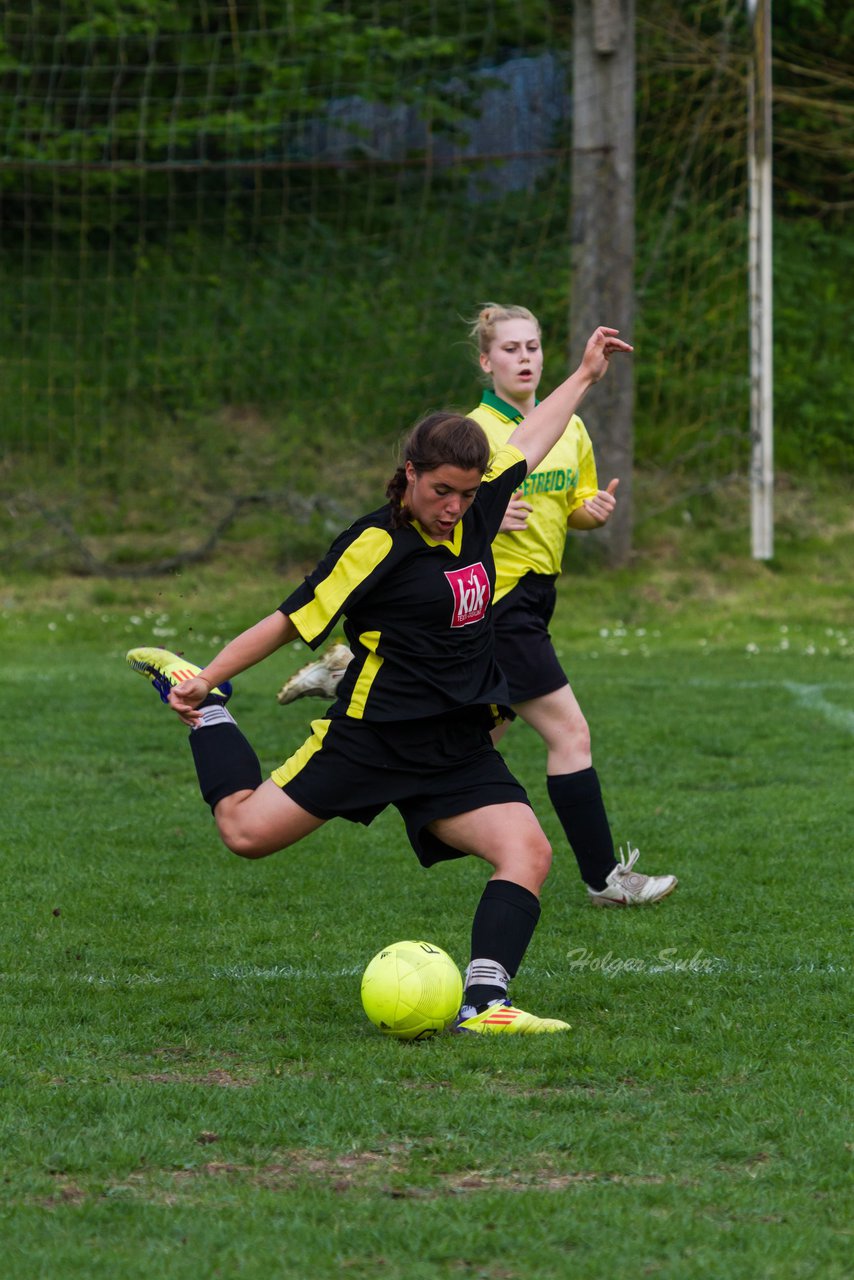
[503, 1018]
[165, 670]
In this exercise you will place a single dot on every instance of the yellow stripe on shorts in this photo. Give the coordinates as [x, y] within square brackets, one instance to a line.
[301, 757]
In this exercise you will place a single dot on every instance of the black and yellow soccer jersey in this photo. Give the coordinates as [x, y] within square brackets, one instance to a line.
[417, 612]
[556, 488]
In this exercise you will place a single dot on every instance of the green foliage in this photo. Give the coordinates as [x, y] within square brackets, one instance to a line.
[176, 305]
[814, 380]
[185, 343]
[101, 93]
[180, 334]
[814, 106]
[685, 50]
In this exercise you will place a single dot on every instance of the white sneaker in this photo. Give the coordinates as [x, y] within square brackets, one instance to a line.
[317, 679]
[628, 888]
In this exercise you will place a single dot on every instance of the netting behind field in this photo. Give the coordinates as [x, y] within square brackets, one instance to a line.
[230, 215]
[281, 213]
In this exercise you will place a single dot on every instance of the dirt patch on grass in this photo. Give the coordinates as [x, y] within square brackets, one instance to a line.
[218, 1078]
[396, 1172]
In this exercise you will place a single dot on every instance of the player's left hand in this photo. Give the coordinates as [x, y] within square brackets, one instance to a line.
[602, 504]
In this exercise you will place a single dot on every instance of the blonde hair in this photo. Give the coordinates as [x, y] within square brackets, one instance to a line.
[482, 328]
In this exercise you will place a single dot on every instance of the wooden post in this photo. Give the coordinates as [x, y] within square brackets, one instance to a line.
[603, 237]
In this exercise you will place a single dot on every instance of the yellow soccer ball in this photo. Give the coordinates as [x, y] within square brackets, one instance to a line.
[412, 990]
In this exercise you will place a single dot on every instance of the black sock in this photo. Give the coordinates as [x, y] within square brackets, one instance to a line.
[224, 761]
[577, 800]
[503, 925]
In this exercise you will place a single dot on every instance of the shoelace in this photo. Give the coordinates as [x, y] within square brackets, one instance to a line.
[623, 867]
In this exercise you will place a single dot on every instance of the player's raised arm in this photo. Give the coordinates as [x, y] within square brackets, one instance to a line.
[544, 425]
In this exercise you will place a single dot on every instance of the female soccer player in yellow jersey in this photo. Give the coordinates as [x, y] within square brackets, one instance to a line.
[562, 491]
[411, 724]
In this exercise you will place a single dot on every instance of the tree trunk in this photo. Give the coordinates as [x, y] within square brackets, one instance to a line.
[603, 237]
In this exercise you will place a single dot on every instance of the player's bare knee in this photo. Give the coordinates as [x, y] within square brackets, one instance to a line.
[538, 857]
[243, 847]
[241, 839]
[543, 858]
[578, 734]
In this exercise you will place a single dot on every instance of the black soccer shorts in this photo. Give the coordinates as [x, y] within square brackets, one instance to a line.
[523, 646]
[432, 768]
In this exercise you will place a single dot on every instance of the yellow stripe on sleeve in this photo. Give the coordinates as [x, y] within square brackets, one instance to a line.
[361, 557]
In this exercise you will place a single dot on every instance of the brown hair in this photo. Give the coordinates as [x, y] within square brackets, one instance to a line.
[482, 328]
[440, 439]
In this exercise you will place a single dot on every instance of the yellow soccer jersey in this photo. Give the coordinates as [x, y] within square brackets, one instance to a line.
[560, 484]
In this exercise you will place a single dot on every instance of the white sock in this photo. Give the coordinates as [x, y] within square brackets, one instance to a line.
[486, 973]
[214, 713]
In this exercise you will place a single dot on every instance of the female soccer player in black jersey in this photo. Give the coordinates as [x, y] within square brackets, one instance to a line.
[411, 723]
[563, 491]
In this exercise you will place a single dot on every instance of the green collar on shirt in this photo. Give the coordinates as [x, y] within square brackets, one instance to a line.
[508, 411]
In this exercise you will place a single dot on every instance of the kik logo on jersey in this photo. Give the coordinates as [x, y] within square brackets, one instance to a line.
[471, 594]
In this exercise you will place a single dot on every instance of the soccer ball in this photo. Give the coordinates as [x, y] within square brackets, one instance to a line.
[412, 990]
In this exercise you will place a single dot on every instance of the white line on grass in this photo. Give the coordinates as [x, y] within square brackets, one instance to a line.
[699, 965]
[812, 697]
[607, 965]
[266, 972]
[809, 696]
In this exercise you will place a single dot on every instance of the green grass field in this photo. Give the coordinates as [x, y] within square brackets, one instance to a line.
[191, 1088]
